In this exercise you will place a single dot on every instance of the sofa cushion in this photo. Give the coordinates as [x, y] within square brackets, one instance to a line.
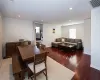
[58, 40]
[72, 40]
[71, 43]
[74, 43]
[67, 40]
[78, 40]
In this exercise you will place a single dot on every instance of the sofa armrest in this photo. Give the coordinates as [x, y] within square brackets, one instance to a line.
[55, 44]
[79, 45]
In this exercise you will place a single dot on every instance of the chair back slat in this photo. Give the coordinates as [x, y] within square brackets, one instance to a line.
[39, 58]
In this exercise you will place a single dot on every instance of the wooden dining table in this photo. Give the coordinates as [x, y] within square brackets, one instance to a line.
[25, 55]
[28, 52]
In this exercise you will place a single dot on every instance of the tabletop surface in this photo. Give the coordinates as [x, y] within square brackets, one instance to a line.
[29, 51]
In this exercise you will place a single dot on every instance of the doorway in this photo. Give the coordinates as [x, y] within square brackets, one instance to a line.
[39, 31]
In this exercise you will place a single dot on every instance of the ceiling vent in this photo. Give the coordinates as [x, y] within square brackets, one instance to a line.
[95, 3]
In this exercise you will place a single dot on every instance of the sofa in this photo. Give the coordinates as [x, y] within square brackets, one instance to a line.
[76, 42]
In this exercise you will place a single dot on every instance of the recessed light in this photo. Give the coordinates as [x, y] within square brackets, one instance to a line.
[69, 20]
[70, 8]
[41, 20]
[12, 0]
[18, 15]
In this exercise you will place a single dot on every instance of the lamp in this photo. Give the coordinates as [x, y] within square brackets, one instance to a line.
[63, 40]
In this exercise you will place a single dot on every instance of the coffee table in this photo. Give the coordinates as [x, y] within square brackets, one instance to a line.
[66, 47]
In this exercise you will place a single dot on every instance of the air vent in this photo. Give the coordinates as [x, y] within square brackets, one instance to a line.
[95, 3]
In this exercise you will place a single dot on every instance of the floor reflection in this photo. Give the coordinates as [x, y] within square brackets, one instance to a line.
[68, 59]
[73, 60]
[77, 62]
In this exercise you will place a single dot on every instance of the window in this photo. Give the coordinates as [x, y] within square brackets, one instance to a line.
[37, 29]
[72, 33]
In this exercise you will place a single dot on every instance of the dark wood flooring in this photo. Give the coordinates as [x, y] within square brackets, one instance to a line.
[76, 61]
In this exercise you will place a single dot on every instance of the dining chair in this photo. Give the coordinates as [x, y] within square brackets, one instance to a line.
[39, 65]
[40, 45]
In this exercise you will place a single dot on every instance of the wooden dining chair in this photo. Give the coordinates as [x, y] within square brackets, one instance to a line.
[40, 45]
[39, 65]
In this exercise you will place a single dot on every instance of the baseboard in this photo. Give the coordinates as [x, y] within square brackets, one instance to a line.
[92, 66]
[87, 52]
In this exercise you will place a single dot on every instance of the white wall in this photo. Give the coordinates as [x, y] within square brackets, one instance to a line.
[87, 36]
[79, 31]
[48, 35]
[0, 38]
[95, 38]
[15, 29]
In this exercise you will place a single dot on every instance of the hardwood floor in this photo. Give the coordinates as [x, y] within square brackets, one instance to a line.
[77, 62]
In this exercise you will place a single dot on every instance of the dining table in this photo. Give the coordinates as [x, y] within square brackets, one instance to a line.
[24, 56]
[28, 52]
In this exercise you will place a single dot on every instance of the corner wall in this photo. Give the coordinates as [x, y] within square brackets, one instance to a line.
[87, 36]
[95, 38]
[48, 35]
[0, 38]
[15, 29]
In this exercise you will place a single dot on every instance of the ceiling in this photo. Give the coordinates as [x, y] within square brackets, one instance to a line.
[50, 11]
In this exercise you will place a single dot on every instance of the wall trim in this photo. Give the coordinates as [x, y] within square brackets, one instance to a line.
[85, 52]
[98, 68]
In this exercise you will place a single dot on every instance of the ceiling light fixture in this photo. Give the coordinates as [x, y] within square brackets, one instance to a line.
[70, 8]
[11, 0]
[18, 15]
[69, 20]
[42, 20]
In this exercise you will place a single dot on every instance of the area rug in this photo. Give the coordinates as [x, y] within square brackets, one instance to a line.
[55, 71]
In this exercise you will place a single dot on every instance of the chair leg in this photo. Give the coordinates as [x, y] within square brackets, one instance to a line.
[46, 75]
[31, 78]
[34, 77]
